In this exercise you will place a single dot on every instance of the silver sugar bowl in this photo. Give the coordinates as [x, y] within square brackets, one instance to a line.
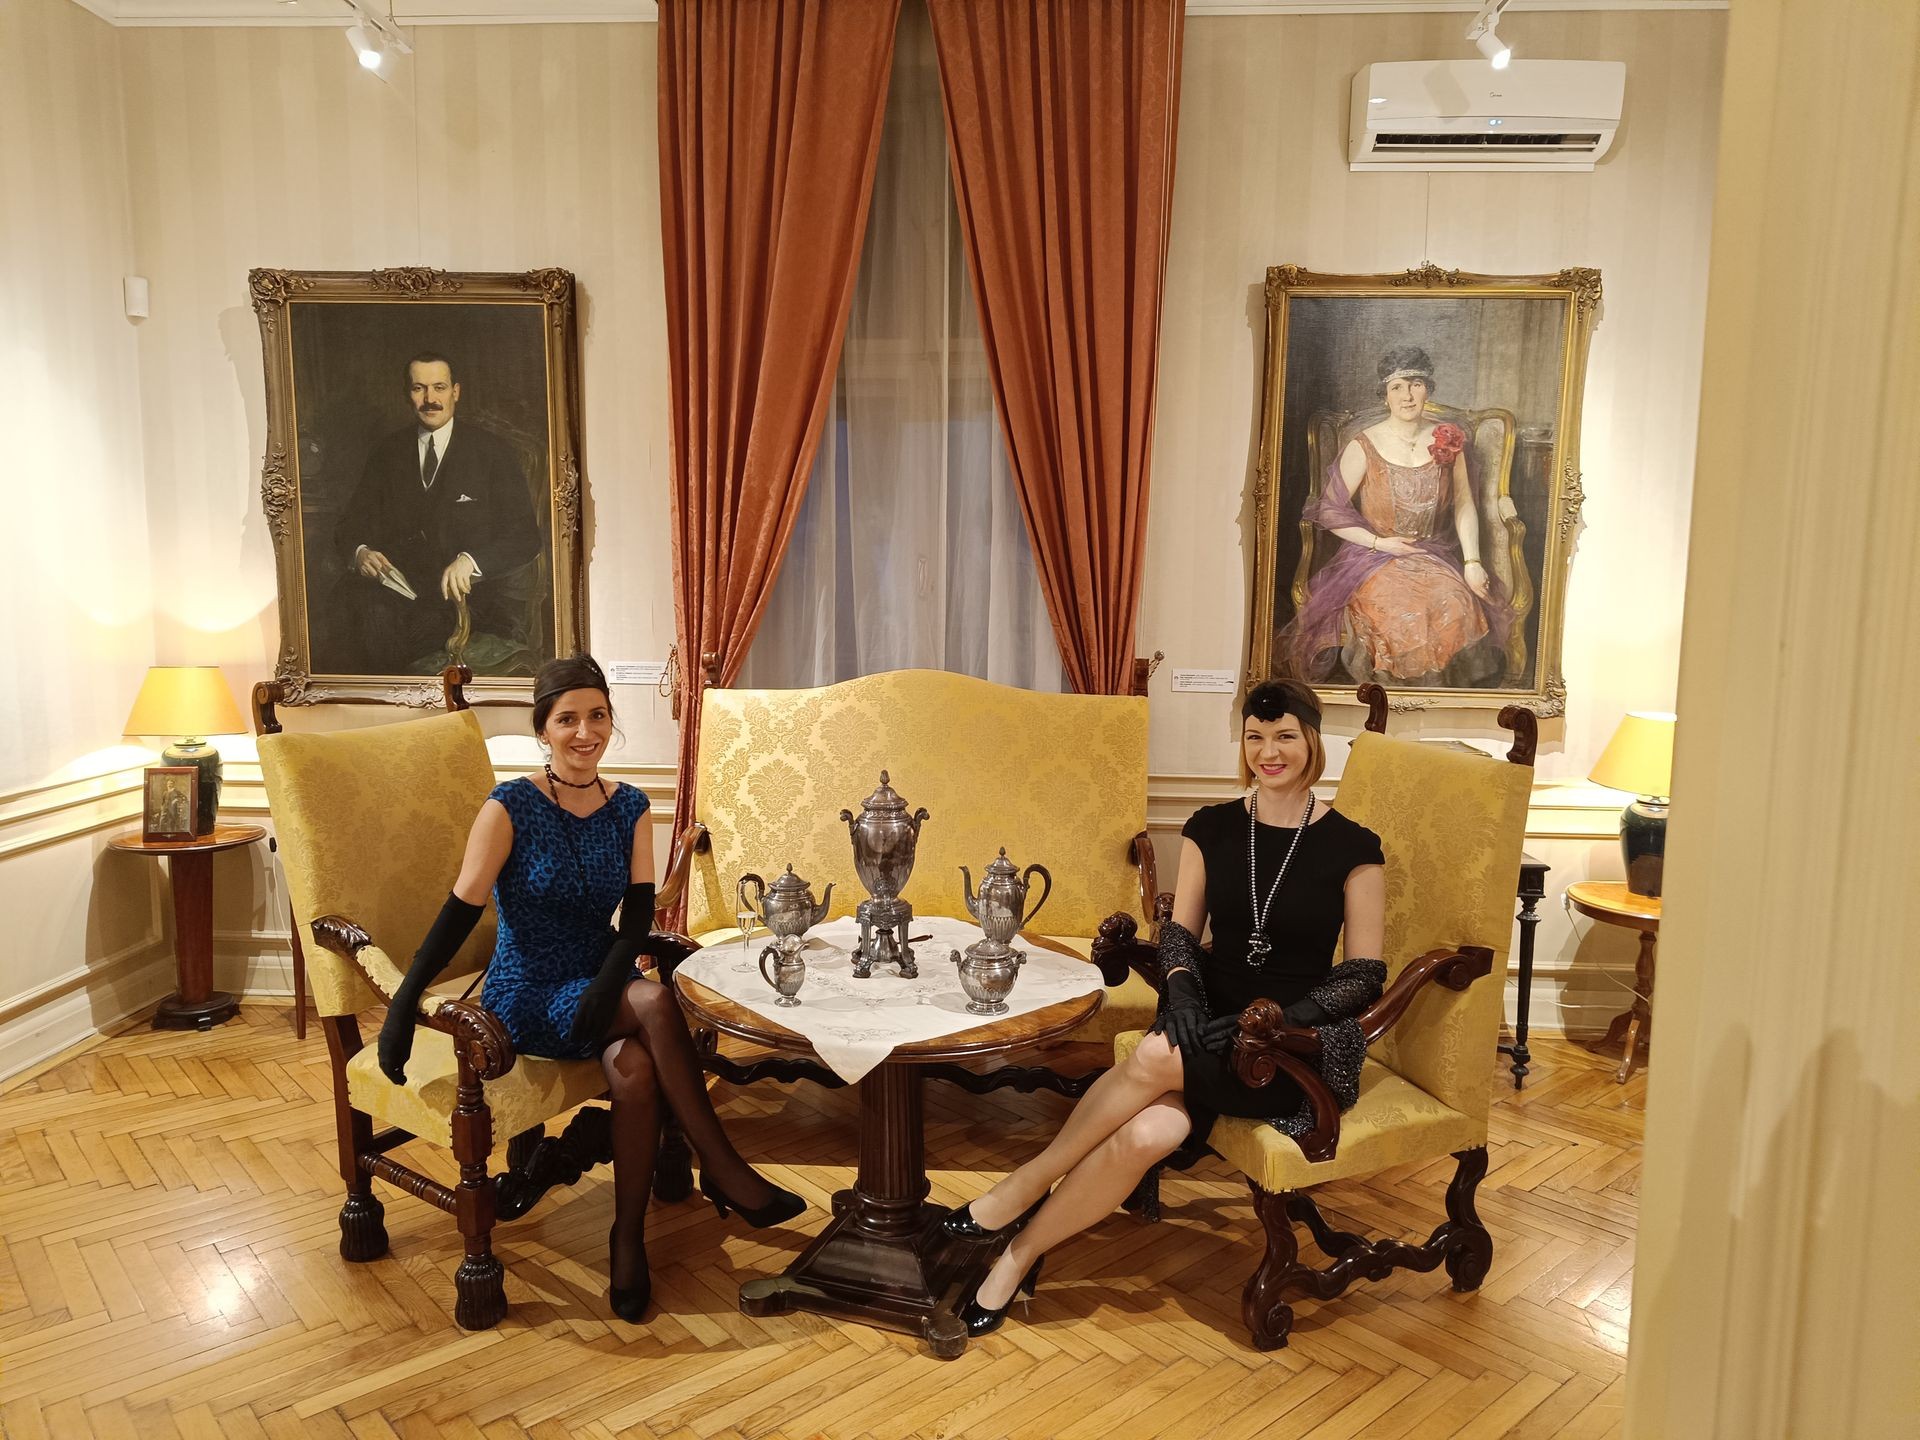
[786, 907]
[789, 961]
[1000, 907]
[987, 972]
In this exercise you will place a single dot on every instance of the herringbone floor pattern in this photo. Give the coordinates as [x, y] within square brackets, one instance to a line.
[168, 1268]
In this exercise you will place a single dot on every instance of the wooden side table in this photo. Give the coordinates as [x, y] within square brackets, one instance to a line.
[196, 1005]
[1611, 903]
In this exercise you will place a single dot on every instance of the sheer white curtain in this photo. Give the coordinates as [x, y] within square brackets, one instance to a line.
[910, 550]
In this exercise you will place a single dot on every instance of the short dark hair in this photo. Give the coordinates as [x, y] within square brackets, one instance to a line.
[1410, 358]
[432, 357]
[557, 677]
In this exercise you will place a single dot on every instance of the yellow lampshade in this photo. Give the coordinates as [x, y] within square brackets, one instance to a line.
[1639, 758]
[185, 700]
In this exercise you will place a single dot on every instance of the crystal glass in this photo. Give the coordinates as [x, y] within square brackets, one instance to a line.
[747, 921]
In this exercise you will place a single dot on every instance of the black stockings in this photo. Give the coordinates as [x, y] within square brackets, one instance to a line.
[636, 1141]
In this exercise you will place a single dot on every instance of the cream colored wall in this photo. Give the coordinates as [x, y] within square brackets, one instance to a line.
[78, 632]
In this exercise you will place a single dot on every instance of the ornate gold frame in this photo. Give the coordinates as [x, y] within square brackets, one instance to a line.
[273, 291]
[1580, 289]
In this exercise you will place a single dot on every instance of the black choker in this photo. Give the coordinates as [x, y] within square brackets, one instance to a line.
[594, 783]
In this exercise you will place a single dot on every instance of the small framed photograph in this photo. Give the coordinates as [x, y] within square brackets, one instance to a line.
[171, 801]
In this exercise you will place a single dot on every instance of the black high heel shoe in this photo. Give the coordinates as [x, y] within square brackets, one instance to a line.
[961, 1224]
[979, 1320]
[777, 1211]
[630, 1303]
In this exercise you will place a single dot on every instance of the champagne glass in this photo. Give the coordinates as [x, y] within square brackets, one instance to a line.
[746, 920]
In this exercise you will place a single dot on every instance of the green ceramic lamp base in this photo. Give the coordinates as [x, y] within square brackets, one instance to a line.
[204, 758]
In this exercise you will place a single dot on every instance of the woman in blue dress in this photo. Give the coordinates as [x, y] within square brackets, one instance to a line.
[559, 851]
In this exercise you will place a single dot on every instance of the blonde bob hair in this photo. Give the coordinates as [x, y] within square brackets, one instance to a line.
[1271, 699]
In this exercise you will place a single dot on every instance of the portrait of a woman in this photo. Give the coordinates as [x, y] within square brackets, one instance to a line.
[1406, 599]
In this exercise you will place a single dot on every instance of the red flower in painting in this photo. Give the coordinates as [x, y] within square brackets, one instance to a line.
[1448, 441]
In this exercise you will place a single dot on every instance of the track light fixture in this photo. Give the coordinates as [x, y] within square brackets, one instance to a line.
[1484, 33]
[375, 38]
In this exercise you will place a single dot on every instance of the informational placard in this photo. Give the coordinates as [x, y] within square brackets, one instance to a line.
[1213, 682]
[635, 672]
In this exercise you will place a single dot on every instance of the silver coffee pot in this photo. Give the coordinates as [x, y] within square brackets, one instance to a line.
[788, 959]
[1000, 908]
[988, 969]
[885, 837]
[786, 907]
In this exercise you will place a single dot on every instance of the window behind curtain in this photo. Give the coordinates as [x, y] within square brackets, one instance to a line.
[910, 550]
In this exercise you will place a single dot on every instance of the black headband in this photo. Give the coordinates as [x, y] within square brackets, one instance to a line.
[578, 672]
[1270, 701]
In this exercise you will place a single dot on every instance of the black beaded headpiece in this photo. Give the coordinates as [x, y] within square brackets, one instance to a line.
[570, 672]
[1271, 699]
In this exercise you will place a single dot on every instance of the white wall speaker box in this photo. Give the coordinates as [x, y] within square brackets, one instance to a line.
[133, 289]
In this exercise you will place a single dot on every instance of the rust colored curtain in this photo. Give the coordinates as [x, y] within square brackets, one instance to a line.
[769, 128]
[1060, 124]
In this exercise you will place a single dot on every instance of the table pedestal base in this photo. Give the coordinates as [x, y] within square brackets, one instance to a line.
[178, 1013]
[884, 1260]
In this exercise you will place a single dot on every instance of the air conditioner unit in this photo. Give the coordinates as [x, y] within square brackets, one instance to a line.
[1466, 115]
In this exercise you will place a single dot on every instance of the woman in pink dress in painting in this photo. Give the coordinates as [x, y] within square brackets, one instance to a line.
[1406, 600]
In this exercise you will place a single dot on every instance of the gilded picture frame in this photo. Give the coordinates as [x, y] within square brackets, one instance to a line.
[1368, 562]
[422, 481]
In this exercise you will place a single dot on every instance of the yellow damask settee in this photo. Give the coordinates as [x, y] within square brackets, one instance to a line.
[1057, 779]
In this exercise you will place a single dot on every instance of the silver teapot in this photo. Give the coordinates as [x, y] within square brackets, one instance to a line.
[988, 969]
[789, 961]
[1000, 908]
[786, 907]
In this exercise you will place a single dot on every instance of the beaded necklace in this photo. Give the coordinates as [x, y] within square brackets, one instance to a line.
[1259, 947]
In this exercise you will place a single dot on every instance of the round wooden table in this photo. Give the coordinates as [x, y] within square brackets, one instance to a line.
[883, 1259]
[196, 1005]
[1611, 903]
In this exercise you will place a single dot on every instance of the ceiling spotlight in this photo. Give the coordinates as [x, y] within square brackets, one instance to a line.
[375, 39]
[1484, 33]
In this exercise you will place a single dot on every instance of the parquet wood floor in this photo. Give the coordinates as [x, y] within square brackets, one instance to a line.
[168, 1269]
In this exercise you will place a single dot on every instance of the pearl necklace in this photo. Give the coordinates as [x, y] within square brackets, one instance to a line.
[1259, 947]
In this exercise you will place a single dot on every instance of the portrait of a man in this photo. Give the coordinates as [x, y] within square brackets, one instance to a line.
[422, 478]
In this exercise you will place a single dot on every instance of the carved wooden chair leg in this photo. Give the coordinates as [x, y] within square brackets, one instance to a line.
[1269, 1319]
[480, 1296]
[1145, 1199]
[1469, 1245]
[363, 1219]
[1300, 1207]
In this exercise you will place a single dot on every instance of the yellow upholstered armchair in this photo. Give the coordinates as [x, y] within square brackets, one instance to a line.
[372, 824]
[1451, 822]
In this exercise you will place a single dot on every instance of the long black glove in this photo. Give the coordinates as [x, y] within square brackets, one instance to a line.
[1349, 988]
[1183, 1011]
[447, 934]
[602, 996]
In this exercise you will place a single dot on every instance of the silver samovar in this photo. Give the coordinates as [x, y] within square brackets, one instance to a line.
[990, 965]
[884, 839]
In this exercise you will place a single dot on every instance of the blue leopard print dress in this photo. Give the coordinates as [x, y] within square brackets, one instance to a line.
[555, 900]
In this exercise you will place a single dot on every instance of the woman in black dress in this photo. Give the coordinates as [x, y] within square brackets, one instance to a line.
[1314, 872]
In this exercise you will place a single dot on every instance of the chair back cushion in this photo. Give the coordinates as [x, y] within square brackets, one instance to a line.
[372, 824]
[1060, 780]
[1451, 824]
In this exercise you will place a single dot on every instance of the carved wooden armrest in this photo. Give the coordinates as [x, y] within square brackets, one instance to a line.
[1117, 949]
[1455, 969]
[694, 839]
[353, 945]
[1265, 1046]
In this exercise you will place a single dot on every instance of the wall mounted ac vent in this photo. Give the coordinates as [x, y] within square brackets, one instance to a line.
[1465, 115]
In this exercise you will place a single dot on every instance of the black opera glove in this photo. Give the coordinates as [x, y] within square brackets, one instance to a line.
[448, 933]
[1183, 1012]
[1218, 1035]
[598, 1003]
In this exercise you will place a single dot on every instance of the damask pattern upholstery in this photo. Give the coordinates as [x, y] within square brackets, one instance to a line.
[1451, 824]
[1057, 779]
[371, 825]
[531, 1093]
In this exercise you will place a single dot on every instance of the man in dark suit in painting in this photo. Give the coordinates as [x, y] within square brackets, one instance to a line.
[442, 518]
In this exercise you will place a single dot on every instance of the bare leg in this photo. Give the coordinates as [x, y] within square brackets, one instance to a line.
[1091, 1192]
[651, 1015]
[636, 1140]
[1123, 1092]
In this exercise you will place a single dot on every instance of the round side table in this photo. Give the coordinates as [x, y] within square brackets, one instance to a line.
[1611, 903]
[196, 1005]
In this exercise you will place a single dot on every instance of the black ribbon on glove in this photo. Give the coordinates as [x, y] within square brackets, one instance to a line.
[447, 934]
[601, 999]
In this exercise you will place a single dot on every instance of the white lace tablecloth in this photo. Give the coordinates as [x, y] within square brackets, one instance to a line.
[855, 1024]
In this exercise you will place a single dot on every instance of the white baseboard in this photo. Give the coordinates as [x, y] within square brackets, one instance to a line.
[123, 985]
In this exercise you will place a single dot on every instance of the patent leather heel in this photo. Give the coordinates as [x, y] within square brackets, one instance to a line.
[777, 1211]
[979, 1320]
[961, 1224]
[629, 1303]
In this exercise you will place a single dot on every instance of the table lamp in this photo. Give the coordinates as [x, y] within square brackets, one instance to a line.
[1639, 758]
[190, 702]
